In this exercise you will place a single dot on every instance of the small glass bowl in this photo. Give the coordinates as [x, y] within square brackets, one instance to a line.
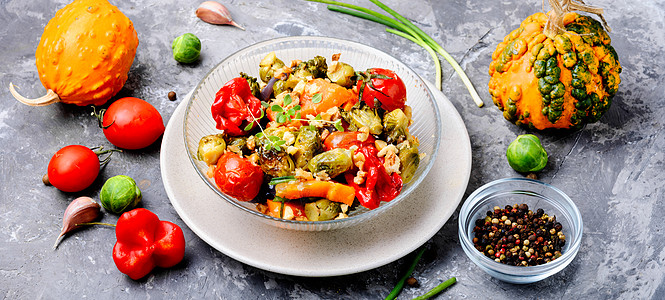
[535, 194]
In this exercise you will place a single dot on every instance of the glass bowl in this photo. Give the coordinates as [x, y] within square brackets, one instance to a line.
[536, 195]
[198, 121]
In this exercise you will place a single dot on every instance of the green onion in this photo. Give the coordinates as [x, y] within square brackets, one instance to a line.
[444, 285]
[407, 30]
[400, 284]
[282, 179]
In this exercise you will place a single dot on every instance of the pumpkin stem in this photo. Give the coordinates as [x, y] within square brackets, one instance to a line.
[560, 8]
[50, 97]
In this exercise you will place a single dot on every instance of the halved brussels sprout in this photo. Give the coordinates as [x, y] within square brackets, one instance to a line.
[307, 142]
[341, 73]
[237, 145]
[269, 65]
[253, 84]
[334, 162]
[322, 210]
[396, 125]
[364, 117]
[211, 147]
[409, 161]
[276, 163]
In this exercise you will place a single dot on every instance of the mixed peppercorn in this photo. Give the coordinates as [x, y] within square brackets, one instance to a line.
[517, 236]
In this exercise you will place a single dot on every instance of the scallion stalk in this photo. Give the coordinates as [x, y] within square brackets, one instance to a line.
[407, 29]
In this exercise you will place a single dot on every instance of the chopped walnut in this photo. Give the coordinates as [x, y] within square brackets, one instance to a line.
[313, 122]
[262, 208]
[322, 176]
[331, 114]
[291, 150]
[360, 177]
[363, 134]
[390, 148]
[234, 149]
[341, 216]
[379, 144]
[391, 160]
[254, 159]
[301, 218]
[288, 138]
[344, 207]
[303, 175]
[359, 160]
[335, 57]
[251, 142]
[211, 171]
[409, 113]
[299, 88]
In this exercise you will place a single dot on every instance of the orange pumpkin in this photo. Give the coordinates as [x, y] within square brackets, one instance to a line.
[84, 54]
[556, 70]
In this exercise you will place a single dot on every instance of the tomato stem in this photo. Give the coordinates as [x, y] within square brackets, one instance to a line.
[100, 117]
[100, 151]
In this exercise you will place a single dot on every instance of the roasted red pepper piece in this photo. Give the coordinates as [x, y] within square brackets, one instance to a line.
[378, 185]
[144, 242]
[232, 107]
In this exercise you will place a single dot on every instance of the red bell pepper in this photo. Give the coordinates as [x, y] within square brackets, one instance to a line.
[378, 185]
[234, 107]
[143, 242]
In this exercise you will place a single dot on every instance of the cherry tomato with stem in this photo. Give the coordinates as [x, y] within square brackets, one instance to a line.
[238, 177]
[74, 168]
[381, 85]
[131, 123]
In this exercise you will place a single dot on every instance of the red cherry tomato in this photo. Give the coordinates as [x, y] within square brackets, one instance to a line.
[383, 85]
[345, 139]
[73, 168]
[238, 177]
[131, 123]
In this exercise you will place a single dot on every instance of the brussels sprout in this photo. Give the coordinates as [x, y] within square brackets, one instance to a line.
[526, 154]
[269, 65]
[396, 125]
[364, 117]
[334, 162]
[307, 142]
[253, 85]
[120, 194]
[186, 48]
[409, 161]
[341, 73]
[237, 145]
[276, 163]
[322, 210]
[211, 147]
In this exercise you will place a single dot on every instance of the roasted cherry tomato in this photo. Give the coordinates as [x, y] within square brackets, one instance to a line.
[73, 168]
[238, 177]
[383, 86]
[132, 123]
[345, 139]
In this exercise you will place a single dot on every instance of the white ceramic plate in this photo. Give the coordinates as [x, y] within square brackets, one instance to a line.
[359, 248]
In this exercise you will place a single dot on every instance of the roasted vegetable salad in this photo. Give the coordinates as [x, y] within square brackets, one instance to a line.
[311, 140]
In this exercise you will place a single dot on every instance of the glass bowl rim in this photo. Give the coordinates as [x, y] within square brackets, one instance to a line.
[351, 220]
[519, 271]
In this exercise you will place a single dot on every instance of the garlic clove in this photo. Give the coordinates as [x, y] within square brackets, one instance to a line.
[215, 13]
[80, 210]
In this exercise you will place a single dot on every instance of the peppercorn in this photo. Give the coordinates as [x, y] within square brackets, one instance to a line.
[412, 282]
[172, 96]
[517, 236]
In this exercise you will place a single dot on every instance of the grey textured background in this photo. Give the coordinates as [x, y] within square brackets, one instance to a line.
[613, 169]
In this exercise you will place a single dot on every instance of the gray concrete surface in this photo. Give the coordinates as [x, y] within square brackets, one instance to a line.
[613, 169]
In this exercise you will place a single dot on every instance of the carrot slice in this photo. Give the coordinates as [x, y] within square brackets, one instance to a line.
[332, 191]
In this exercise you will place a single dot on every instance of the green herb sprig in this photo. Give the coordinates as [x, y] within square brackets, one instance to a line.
[403, 27]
